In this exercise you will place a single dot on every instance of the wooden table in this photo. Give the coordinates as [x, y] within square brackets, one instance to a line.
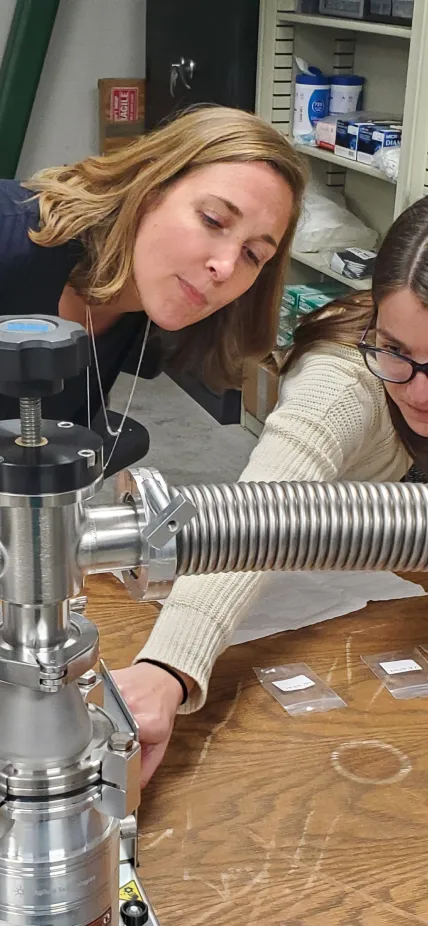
[256, 817]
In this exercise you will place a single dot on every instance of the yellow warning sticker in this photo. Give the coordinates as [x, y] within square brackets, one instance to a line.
[130, 891]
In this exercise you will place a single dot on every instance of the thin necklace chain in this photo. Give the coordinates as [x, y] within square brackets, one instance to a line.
[115, 434]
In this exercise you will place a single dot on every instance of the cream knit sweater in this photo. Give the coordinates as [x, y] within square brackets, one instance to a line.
[331, 423]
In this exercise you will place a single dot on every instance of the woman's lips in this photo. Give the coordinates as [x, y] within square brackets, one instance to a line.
[192, 294]
[423, 412]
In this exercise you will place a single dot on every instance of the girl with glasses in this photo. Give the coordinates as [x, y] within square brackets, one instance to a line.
[352, 405]
[395, 342]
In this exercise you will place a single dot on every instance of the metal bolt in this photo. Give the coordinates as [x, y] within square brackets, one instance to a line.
[9, 769]
[128, 827]
[89, 455]
[88, 678]
[121, 742]
[30, 411]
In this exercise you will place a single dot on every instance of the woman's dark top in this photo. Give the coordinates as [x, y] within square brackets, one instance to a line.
[32, 279]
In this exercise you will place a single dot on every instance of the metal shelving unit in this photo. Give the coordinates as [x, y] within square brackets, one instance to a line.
[329, 157]
[345, 25]
[320, 261]
[394, 60]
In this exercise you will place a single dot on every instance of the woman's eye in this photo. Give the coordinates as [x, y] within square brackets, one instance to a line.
[252, 257]
[392, 348]
[208, 220]
[211, 222]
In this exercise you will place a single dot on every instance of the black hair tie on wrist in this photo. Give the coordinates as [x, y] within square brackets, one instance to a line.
[161, 665]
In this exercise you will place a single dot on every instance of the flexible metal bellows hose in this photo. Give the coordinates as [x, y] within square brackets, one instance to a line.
[342, 525]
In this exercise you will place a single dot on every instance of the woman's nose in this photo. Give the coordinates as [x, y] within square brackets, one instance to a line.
[418, 389]
[222, 265]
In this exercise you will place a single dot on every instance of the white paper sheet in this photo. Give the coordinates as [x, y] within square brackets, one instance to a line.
[290, 600]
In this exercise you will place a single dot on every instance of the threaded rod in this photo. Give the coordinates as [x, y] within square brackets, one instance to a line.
[31, 422]
[288, 526]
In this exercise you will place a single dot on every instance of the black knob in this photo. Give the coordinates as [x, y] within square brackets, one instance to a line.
[134, 913]
[38, 352]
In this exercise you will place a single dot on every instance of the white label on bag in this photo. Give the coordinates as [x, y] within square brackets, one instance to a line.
[400, 665]
[298, 683]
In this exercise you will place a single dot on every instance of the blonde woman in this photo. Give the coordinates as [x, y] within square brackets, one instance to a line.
[188, 228]
[353, 404]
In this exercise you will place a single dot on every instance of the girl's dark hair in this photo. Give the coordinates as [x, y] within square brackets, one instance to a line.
[402, 263]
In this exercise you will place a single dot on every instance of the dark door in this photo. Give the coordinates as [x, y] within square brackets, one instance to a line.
[200, 51]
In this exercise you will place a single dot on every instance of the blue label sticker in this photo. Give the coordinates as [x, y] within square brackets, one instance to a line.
[318, 104]
[30, 327]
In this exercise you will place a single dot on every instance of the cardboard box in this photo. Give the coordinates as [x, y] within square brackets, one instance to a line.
[317, 300]
[260, 388]
[354, 263]
[347, 134]
[291, 296]
[325, 132]
[121, 112]
[376, 136]
[300, 299]
[284, 336]
[350, 127]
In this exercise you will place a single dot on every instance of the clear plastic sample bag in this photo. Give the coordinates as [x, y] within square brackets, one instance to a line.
[404, 673]
[298, 689]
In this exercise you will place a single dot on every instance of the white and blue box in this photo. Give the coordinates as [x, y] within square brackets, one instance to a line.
[347, 134]
[375, 137]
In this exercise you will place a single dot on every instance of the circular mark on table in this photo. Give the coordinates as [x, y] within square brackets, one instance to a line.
[370, 762]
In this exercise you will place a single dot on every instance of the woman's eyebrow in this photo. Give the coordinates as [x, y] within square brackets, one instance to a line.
[390, 337]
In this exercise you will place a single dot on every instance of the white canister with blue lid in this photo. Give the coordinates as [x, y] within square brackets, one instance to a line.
[311, 103]
[346, 94]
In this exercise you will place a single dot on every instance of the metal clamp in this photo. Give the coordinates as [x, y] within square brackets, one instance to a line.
[51, 669]
[160, 520]
[120, 775]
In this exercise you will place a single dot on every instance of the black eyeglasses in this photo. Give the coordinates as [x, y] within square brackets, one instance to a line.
[388, 365]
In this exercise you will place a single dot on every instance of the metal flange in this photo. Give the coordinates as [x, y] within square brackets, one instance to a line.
[51, 669]
[160, 519]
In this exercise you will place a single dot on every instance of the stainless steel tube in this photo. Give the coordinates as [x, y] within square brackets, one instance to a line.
[39, 545]
[111, 539]
[35, 625]
[272, 526]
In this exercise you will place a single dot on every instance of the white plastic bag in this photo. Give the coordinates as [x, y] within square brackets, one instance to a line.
[388, 161]
[326, 224]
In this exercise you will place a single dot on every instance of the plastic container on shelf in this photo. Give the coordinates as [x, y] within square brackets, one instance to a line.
[311, 103]
[402, 11]
[392, 11]
[306, 6]
[346, 94]
[350, 9]
[381, 10]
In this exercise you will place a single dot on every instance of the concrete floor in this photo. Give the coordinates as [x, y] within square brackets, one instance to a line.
[187, 445]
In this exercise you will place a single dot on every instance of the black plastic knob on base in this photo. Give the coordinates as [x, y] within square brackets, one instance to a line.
[39, 352]
[134, 913]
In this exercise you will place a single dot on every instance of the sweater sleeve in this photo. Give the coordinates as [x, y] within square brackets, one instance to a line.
[323, 416]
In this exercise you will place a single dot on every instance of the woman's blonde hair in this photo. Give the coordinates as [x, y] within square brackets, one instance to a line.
[101, 200]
